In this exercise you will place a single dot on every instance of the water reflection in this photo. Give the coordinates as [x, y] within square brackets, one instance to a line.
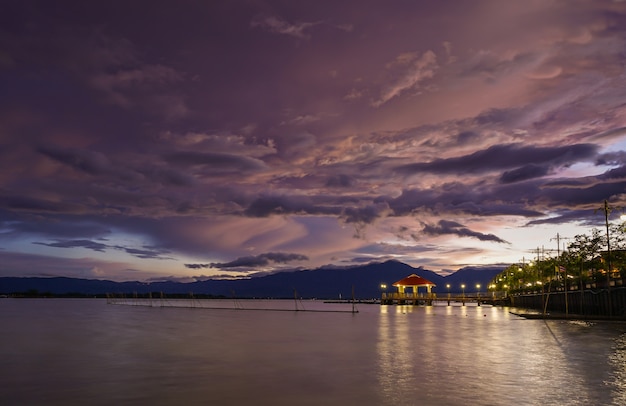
[85, 352]
[396, 370]
[617, 360]
[485, 355]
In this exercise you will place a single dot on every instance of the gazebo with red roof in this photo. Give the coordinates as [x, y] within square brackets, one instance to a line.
[414, 281]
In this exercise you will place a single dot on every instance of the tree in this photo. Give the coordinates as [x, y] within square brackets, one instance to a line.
[587, 249]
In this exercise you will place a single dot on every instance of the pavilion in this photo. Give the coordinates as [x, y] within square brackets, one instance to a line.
[412, 281]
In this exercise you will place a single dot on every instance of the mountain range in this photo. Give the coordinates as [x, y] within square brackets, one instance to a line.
[323, 283]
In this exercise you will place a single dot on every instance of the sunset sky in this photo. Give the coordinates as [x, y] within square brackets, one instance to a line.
[149, 140]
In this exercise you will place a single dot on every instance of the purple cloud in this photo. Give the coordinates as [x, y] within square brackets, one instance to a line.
[500, 157]
[248, 262]
[452, 227]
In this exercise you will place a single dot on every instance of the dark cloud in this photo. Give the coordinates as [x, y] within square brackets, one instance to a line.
[479, 200]
[215, 161]
[169, 176]
[497, 116]
[265, 206]
[348, 209]
[500, 157]
[197, 266]
[261, 260]
[340, 181]
[92, 245]
[248, 262]
[466, 137]
[93, 163]
[582, 198]
[144, 253]
[611, 158]
[616, 173]
[26, 203]
[524, 173]
[364, 215]
[589, 217]
[89, 162]
[281, 205]
[491, 66]
[15, 224]
[369, 259]
[452, 227]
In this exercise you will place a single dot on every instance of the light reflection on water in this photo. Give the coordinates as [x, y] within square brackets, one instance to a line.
[57, 352]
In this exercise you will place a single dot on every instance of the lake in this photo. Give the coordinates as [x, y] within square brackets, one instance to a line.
[88, 352]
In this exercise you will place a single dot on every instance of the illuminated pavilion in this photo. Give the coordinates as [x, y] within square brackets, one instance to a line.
[415, 282]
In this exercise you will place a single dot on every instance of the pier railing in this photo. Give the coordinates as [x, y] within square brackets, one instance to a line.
[405, 296]
[429, 298]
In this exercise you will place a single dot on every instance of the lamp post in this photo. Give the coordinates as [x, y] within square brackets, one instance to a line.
[448, 287]
[607, 211]
[463, 289]
[383, 287]
[478, 294]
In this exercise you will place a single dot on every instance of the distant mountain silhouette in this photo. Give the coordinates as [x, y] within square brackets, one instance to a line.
[323, 283]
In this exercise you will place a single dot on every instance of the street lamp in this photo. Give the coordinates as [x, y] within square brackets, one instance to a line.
[478, 290]
[448, 287]
[383, 287]
[607, 211]
[463, 288]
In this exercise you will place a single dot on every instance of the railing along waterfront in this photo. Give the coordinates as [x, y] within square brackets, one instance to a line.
[588, 302]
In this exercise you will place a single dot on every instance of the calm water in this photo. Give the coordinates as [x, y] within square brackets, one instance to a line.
[79, 352]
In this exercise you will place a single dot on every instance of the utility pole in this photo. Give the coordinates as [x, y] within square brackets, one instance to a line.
[558, 239]
[540, 277]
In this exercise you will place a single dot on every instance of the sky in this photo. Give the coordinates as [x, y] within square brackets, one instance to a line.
[188, 140]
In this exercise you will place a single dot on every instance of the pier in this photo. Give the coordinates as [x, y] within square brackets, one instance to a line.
[414, 297]
[429, 299]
